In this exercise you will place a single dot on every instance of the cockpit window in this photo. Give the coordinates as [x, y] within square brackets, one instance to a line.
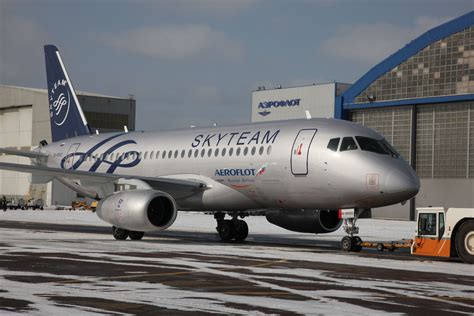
[348, 143]
[390, 148]
[376, 146]
[373, 145]
[333, 144]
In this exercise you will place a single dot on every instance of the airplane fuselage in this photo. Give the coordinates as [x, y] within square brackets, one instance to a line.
[269, 165]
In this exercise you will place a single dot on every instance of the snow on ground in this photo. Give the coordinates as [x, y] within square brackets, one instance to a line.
[287, 277]
[377, 229]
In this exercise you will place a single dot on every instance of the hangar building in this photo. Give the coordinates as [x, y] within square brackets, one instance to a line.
[24, 122]
[421, 98]
[273, 104]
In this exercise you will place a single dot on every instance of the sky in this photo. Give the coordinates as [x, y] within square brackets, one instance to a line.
[196, 62]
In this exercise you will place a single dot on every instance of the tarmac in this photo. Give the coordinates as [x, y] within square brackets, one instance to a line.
[69, 268]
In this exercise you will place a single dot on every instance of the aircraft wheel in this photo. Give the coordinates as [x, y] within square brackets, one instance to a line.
[119, 233]
[356, 244]
[465, 242]
[346, 243]
[136, 235]
[226, 230]
[241, 230]
[380, 247]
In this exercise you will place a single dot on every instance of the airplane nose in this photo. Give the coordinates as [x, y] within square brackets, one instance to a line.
[402, 183]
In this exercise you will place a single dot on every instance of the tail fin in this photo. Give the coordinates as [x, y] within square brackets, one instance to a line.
[67, 118]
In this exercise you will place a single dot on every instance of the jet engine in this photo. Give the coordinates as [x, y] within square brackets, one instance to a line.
[138, 210]
[305, 221]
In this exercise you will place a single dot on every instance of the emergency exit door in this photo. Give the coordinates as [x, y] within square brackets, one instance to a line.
[300, 151]
[70, 156]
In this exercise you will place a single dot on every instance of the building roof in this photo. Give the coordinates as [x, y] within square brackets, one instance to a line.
[410, 49]
[91, 94]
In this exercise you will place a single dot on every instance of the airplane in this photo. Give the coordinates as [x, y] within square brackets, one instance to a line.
[300, 172]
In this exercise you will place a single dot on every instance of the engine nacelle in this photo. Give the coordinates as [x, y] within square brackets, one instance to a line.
[305, 221]
[138, 210]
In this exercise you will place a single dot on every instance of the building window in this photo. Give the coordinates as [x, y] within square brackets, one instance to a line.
[440, 69]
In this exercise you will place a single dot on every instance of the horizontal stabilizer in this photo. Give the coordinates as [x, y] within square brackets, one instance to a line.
[29, 154]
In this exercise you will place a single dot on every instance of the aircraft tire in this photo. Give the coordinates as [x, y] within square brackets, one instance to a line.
[136, 235]
[346, 243]
[119, 233]
[356, 241]
[465, 242]
[226, 230]
[241, 230]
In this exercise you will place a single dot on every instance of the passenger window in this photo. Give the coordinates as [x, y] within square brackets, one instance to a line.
[237, 151]
[348, 143]
[152, 154]
[216, 152]
[441, 225]
[163, 156]
[223, 152]
[254, 150]
[170, 153]
[260, 150]
[183, 152]
[196, 153]
[269, 150]
[146, 155]
[203, 151]
[231, 151]
[246, 150]
[157, 154]
[209, 152]
[427, 224]
[190, 152]
[333, 144]
[176, 154]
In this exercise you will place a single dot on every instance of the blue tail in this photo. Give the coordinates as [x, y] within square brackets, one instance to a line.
[67, 118]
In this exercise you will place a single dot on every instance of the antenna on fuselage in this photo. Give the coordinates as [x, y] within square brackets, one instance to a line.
[97, 132]
[308, 115]
[125, 128]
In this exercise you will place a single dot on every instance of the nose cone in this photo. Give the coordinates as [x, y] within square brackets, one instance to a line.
[402, 183]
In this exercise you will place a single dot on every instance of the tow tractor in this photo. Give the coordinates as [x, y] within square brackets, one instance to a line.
[439, 232]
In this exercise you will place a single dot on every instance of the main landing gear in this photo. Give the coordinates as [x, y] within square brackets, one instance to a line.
[234, 228]
[351, 242]
[122, 234]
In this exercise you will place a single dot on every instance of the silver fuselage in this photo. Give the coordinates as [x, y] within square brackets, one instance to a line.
[280, 164]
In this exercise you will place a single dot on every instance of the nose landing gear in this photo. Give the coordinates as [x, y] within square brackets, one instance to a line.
[351, 242]
[234, 228]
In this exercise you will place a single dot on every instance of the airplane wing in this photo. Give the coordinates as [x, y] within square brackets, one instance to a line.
[179, 186]
[29, 154]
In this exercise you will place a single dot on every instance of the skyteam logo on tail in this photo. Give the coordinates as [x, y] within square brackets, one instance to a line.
[59, 102]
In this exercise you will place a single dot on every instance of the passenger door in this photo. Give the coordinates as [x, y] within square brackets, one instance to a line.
[300, 151]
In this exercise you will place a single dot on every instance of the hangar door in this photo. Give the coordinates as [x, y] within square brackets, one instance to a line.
[300, 151]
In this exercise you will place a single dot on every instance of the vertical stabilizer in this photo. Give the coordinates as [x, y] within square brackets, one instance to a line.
[67, 118]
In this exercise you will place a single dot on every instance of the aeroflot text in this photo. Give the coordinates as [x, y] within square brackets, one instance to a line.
[276, 104]
[236, 138]
[234, 172]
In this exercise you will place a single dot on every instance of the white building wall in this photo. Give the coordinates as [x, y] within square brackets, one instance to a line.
[24, 122]
[292, 103]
